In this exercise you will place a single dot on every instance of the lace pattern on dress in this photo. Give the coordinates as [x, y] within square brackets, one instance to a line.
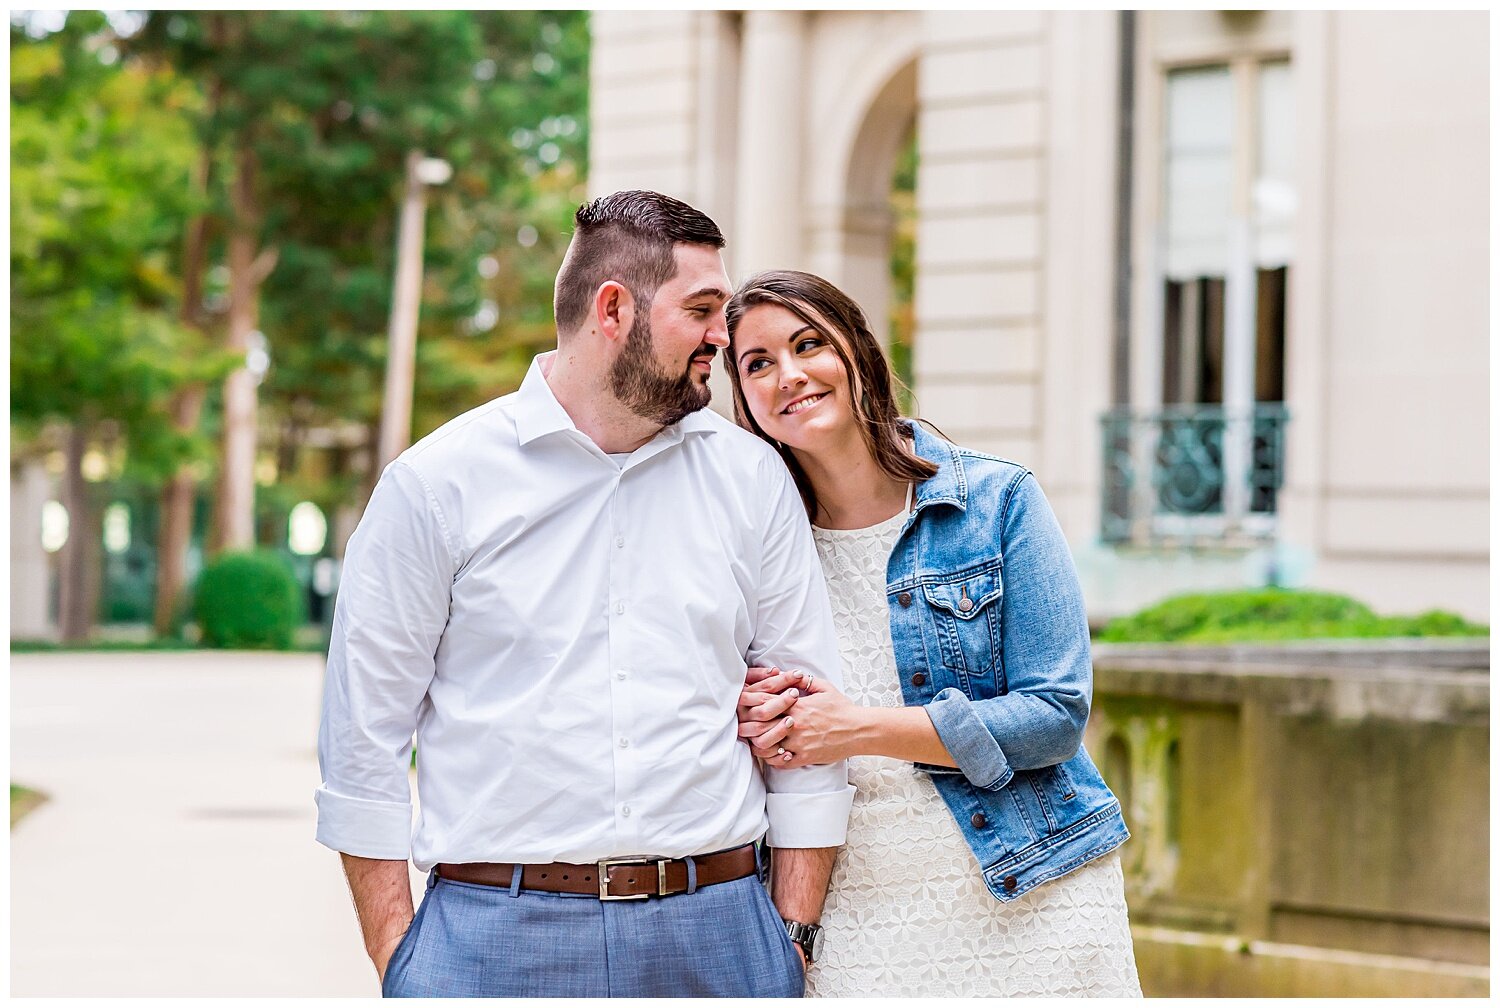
[907, 911]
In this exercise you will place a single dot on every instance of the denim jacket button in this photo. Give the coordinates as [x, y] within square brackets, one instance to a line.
[1009, 883]
[905, 599]
[920, 679]
[980, 822]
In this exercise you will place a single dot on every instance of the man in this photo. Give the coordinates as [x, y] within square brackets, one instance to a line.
[559, 592]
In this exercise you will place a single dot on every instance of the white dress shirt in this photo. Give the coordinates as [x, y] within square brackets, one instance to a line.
[567, 633]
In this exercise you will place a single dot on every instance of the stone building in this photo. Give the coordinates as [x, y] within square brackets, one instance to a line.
[1218, 278]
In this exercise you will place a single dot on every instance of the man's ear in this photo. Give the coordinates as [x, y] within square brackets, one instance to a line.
[614, 307]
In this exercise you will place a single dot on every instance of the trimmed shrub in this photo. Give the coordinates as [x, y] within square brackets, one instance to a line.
[1268, 614]
[247, 600]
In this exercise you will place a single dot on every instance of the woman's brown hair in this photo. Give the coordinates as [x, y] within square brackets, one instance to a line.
[871, 383]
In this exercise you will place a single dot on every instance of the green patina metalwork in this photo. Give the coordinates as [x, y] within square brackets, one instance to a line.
[1171, 465]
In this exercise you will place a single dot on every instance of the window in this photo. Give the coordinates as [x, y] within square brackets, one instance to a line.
[1228, 206]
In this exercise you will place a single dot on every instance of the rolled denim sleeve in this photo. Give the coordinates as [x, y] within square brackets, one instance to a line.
[808, 806]
[392, 607]
[1046, 663]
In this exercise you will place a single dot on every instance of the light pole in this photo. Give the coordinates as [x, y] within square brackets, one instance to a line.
[401, 357]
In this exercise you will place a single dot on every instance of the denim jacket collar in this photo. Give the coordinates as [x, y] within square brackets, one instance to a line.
[948, 485]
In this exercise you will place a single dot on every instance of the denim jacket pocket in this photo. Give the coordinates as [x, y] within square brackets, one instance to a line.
[965, 613]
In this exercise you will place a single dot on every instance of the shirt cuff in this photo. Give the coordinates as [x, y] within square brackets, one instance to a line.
[808, 820]
[364, 828]
[968, 741]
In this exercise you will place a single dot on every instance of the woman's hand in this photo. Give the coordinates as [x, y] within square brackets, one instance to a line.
[823, 728]
[768, 694]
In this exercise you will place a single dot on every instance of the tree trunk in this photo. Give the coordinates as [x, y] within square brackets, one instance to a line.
[373, 468]
[78, 588]
[235, 513]
[176, 532]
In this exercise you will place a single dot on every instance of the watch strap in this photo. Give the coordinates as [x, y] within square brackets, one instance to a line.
[805, 935]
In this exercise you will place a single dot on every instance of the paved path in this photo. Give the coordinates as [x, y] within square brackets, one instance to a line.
[176, 855]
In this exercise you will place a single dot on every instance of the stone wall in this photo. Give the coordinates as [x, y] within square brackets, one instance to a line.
[1307, 820]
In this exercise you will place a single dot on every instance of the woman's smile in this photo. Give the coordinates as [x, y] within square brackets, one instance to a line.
[805, 403]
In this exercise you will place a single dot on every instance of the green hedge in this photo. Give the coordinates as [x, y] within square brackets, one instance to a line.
[248, 600]
[1268, 614]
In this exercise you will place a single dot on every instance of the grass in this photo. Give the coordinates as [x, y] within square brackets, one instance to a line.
[166, 644]
[311, 638]
[1276, 614]
[22, 801]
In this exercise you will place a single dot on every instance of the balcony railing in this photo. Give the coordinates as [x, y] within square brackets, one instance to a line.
[1193, 473]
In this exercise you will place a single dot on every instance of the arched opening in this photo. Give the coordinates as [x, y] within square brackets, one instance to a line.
[877, 222]
[1117, 771]
[901, 341]
[1173, 786]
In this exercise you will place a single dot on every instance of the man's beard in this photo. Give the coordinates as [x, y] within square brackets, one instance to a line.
[647, 390]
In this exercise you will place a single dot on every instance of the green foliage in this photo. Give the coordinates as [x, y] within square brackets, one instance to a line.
[247, 600]
[100, 156]
[22, 801]
[129, 130]
[48, 646]
[330, 103]
[1269, 614]
[903, 270]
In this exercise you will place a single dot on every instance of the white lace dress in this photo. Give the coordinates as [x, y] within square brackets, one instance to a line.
[907, 911]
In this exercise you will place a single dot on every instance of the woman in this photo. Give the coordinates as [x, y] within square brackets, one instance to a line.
[981, 857]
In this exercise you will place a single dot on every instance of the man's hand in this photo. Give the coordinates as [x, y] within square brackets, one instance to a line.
[382, 901]
[799, 881]
[381, 957]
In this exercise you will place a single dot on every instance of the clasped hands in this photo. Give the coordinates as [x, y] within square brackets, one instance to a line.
[792, 719]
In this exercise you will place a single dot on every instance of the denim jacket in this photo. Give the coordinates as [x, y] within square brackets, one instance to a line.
[990, 636]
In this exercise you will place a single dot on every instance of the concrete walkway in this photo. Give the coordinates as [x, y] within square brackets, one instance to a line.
[176, 854]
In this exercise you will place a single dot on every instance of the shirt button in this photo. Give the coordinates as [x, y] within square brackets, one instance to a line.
[619, 541]
[619, 608]
[619, 673]
[624, 743]
[905, 599]
[920, 679]
[625, 811]
[966, 604]
[1009, 883]
[979, 821]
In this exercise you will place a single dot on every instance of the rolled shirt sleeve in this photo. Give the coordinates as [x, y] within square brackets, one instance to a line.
[807, 806]
[392, 607]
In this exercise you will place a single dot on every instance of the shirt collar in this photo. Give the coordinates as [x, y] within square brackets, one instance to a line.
[537, 412]
[948, 485]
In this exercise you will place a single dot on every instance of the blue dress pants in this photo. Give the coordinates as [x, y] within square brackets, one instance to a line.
[469, 940]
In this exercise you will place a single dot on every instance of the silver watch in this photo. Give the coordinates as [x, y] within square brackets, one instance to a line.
[809, 936]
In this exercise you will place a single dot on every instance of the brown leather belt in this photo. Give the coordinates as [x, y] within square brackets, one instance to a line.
[615, 879]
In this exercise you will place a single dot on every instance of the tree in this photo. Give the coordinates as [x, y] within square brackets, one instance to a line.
[311, 115]
[177, 187]
[331, 104]
[100, 153]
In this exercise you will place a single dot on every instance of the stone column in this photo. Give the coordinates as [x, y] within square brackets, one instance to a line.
[768, 206]
[981, 227]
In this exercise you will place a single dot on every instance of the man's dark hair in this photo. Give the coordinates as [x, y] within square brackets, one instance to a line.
[626, 237]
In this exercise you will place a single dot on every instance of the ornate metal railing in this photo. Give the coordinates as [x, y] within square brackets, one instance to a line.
[1192, 473]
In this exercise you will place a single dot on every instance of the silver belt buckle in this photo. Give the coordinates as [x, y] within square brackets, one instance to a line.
[661, 877]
